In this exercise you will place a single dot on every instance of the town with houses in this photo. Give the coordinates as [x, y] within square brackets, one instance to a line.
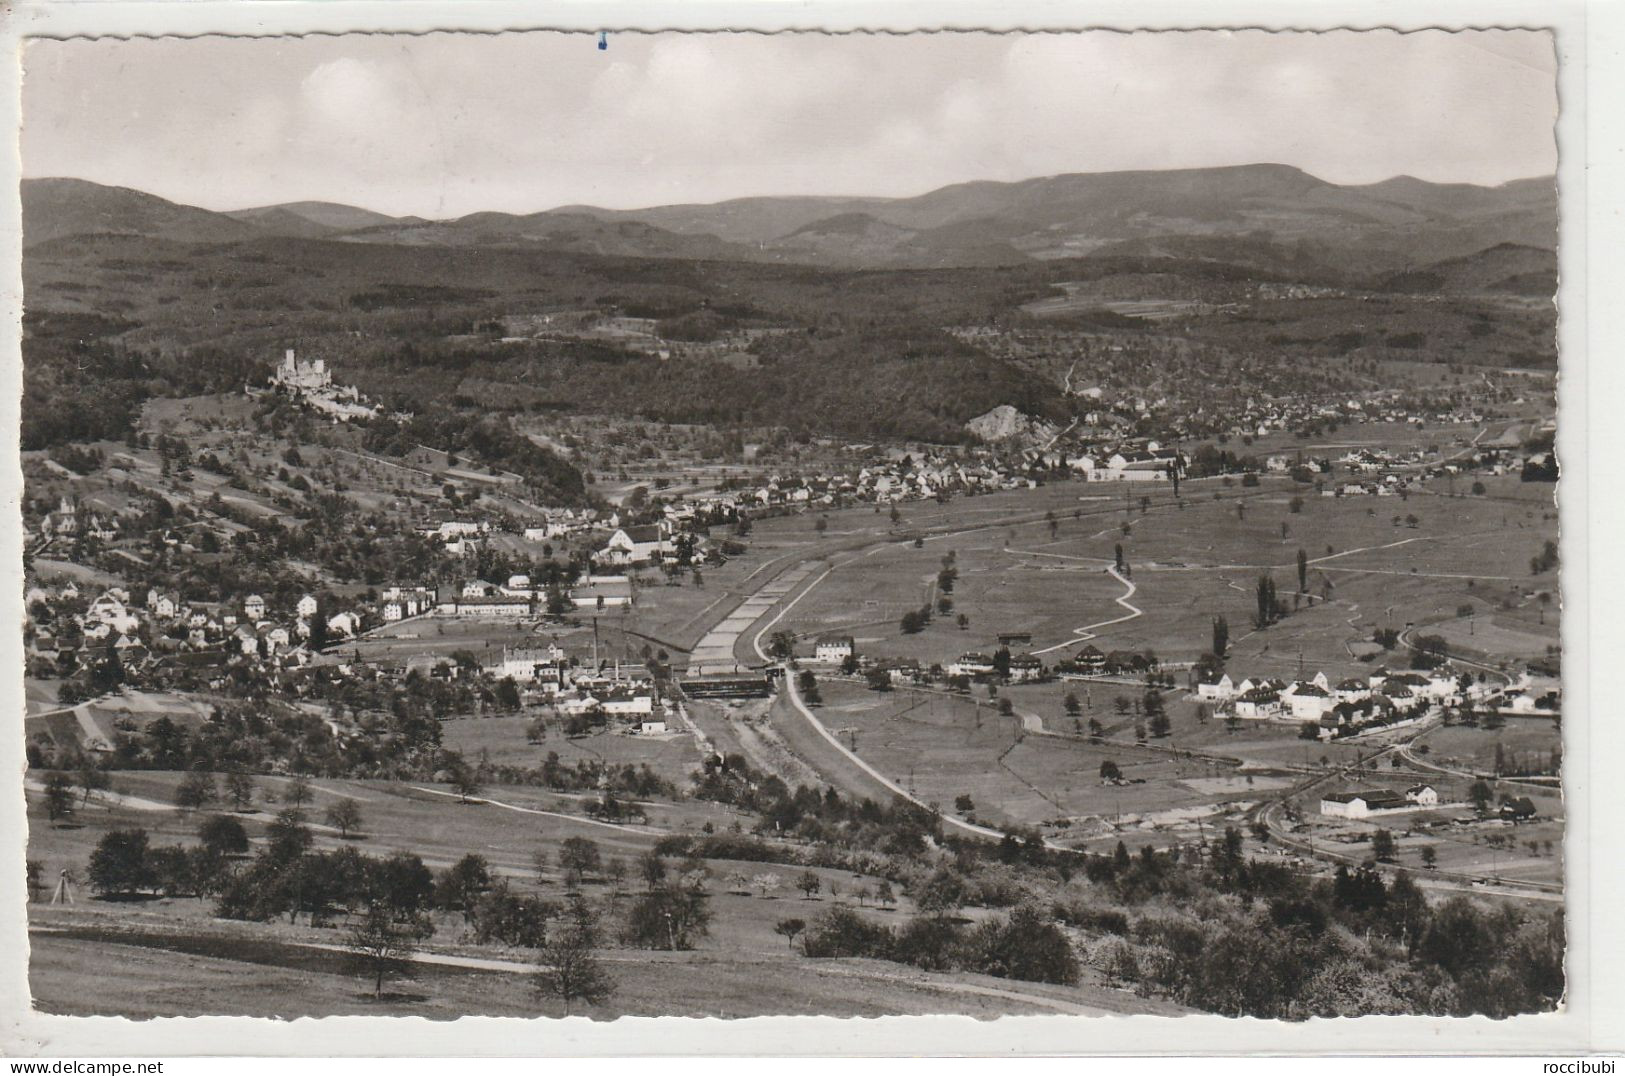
[1063, 595]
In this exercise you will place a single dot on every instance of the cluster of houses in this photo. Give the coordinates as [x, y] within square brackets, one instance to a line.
[577, 691]
[165, 625]
[1150, 462]
[70, 521]
[1356, 704]
[519, 597]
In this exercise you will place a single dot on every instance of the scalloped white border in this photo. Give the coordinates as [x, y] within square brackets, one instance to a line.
[1591, 151]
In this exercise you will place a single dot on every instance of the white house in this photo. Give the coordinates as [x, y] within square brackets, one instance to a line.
[1025, 668]
[972, 665]
[834, 649]
[1259, 704]
[1307, 701]
[254, 607]
[634, 545]
[524, 664]
[346, 624]
[1422, 795]
[1217, 690]
[110, 610]
[1351, 690]
[1362, 804]
[628, 704]
[306, 607]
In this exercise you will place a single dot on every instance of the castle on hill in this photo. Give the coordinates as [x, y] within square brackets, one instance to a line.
[312, 384]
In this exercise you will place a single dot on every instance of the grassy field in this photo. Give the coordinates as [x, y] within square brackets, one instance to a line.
[171, 957]
[1189, 565]
[941, 747]
[503, 741]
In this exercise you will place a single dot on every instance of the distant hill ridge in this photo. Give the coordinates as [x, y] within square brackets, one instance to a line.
[1285, 216]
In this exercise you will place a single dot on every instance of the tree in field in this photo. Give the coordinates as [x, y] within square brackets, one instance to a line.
[809, 884]
[789, 928]
[878, 680]
[579, 857]
[298, 792]
[1072, 705]
[90, 777]
[781, 644]
[765, 883]
[119, 864]
[196, 791]
[807, 684]
[1383, 847]
[1430, 857]
[382, 945]
[1221, 637]
[615, 871]
[223, 835]
[1160, 725]
[651, 868]
[884, 893]
[1481, 795]
[240, 789]
[1265, 594]
[1303, 572]
[942, 894]
[669, 916]
[344, 816]
[464, 781]
[570, 971]
[58, 796]
[1096, 729]
[964, 804]
[460, 885]
[1109, 771]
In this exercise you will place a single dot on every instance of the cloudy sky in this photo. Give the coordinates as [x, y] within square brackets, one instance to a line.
[447, 124]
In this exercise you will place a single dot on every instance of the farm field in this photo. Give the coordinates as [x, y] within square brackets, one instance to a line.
[227, 972]
[748, 968]
[503, 741]
[1473, 749]
[1187, 567]
[942, 746]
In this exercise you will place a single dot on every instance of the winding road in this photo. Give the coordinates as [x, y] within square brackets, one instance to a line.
[1087, 632]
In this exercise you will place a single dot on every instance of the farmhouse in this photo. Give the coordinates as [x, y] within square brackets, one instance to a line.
[1422, 795]
[972, 665]
[1025, 668]
[1260, 703]
[1216, 690]
[1307, 701]
[834, 649]
[1363, 804]
[630, 546]
[1090, 659]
